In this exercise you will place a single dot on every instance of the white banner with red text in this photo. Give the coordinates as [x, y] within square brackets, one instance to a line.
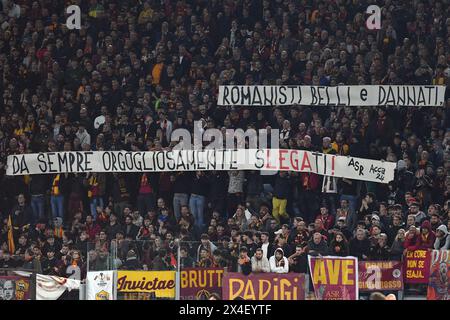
[203, 160]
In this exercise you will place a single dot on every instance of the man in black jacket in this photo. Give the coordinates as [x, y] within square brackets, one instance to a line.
[199, 191]
[359, 246]
[181, 182]
[247, 240]
[218, 181]
[132, 262]
[254, 189]
[113, 227]
[38, 185]
[21, 213]
[317, 245]
[130, 229]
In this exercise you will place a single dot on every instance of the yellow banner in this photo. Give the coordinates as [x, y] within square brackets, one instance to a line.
[161, 283]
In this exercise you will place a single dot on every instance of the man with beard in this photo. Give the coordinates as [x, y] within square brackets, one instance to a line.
[52, 265]
[442, 241]
[278, 262]
[298, 261]
[247, 239]
[266, 246]
[259, 262]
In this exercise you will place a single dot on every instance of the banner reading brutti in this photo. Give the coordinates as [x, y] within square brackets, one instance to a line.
[417, 266]
[334, 278]
[157, 284]
[439, 286]
[380, 275]
[200, 283]
[263, 286]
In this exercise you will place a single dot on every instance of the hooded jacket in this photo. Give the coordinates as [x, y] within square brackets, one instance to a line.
[280, 266]
[412, 243]
[442, 243]
[426, 242]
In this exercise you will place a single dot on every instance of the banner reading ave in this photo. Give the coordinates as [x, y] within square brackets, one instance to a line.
[334, 278]
[193, 160]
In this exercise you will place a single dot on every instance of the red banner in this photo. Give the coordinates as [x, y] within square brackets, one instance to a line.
[334, 278]
[14, 288]
[417, 266]
[438, 286]
[200, 283]
[380, 275]
[263, 286]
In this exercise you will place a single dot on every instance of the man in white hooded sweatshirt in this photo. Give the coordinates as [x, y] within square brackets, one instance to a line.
[278, 262]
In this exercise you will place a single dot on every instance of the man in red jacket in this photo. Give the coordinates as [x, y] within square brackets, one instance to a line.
[327, 219]
[427, 236]
[92, 228]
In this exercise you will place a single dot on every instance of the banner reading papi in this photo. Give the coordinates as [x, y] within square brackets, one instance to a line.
[334, 278]
[370, 95]
[210, 159]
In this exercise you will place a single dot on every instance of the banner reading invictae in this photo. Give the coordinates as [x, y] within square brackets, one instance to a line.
[334, 278]
[200, 283]
[439, 283]
[370, 95]
[146, 284]
[210, 159]
[380, 275]
[263, 286]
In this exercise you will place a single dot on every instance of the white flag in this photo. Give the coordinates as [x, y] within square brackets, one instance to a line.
[99, 285]
[52, 287]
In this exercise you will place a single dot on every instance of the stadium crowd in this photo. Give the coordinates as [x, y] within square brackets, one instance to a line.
[137, 70]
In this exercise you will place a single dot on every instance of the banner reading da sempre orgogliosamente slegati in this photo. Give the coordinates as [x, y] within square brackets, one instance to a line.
[193, 160]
